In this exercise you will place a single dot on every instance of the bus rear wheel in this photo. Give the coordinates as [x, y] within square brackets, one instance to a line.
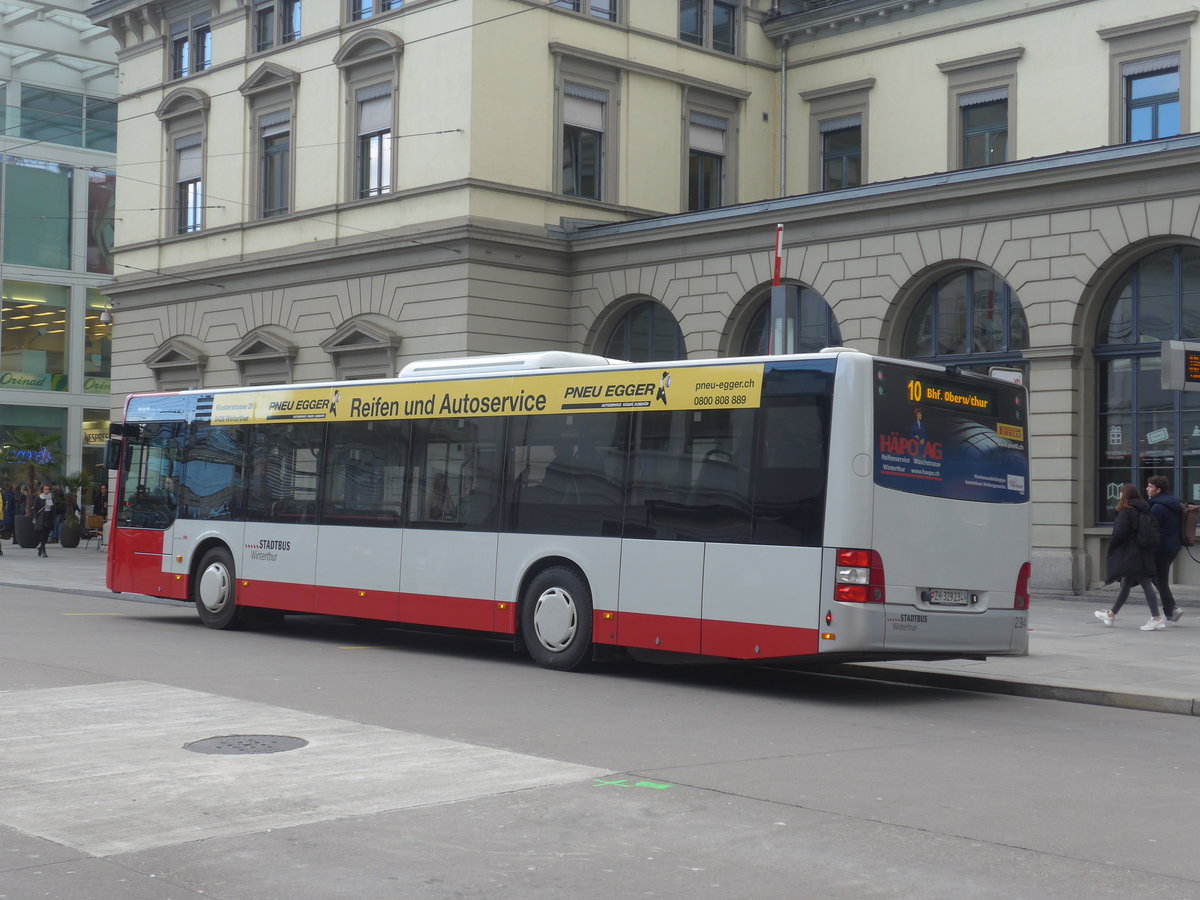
[215, 590]
[556, 619]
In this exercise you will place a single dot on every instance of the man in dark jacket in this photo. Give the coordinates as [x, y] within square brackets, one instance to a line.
[1168, 512]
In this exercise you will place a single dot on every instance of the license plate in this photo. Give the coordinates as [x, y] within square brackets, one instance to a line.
[943, 597]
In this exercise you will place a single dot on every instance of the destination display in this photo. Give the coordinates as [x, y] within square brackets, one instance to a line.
[694, 387]
[948, 437]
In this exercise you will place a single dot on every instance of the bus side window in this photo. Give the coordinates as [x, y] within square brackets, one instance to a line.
[789, 495]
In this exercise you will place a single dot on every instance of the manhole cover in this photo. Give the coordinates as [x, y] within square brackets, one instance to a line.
[238, 744]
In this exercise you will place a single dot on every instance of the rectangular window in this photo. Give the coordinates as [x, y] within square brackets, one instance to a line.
[97, 345]
[52, 116]
[100, 125]
[706, 160]
[456, 481]
[689, 477]
[599, 9]
[189, 188]
[984, 127]
[276, 22]
[284, 464]
[366, 464]
[365, 9]
[691, 21]
[709, 23]
[841, 152]
[1151, 88]
[102, 187]
[374, 140]
[210, 475]
[724, 26]
[568, 473]
[191, 45]
[583, 141]
[37, 213]
[33, 336]
[276, 138]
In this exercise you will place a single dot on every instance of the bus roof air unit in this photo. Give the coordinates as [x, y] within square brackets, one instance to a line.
[506, 362]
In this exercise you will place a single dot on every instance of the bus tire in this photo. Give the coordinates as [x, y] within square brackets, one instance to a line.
[556, 619]
[215, 590]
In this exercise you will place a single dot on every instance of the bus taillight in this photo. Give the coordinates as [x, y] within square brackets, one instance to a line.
[859, 577]
[1021, 599]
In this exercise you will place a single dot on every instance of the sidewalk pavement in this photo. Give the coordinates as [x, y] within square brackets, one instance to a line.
[1071, 655]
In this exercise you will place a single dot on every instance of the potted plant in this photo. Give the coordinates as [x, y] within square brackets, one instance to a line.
[71, 528]
[34, 450]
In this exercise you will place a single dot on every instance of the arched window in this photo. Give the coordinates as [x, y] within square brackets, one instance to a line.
[971, 318]
[813, 327]
[1141, 429]
[646, 332]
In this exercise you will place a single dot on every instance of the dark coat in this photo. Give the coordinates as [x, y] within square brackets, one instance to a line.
[43, 516]
[1168, 512]
[1125, 558]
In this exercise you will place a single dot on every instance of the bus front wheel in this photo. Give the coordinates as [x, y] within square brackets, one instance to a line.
[215, 590]
[556, 619]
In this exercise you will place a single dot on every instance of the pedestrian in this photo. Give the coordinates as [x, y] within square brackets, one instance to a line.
[11, 500]
[60, 509]
[43, 517]
[1129, 562]
[100, 502]
[1168, 512]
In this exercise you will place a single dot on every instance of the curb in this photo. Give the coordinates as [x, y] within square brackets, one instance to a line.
[1180, 706]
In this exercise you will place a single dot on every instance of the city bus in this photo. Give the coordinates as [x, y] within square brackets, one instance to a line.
[834, 506]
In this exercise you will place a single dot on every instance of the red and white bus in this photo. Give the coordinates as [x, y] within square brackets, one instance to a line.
[832, 505]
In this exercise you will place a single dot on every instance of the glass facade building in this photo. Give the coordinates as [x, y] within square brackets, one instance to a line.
[57, 187]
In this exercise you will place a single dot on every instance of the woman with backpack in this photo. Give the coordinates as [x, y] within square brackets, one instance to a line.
[1128, 560]
[1168, 512]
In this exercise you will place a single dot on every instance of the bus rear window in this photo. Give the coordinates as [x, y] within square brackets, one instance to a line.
[947, 436]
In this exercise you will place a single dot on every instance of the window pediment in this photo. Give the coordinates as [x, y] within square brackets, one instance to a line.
[182, 102]
[178, 351]
[264, 342]
[178, 363]
[268, 77]
[368, 46]
[369, 331]
[364, 346]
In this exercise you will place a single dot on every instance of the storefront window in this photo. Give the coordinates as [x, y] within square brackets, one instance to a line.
[37, 213]
[33, 336]
[44, 419]
[95, 433]
[97, 346]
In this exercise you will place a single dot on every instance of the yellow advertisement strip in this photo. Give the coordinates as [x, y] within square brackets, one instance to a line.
[693, 387]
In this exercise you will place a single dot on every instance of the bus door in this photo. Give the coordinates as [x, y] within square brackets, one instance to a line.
[762, 567]
[141, 542]
[360, 541]
[682, 471]
[448, 564]
[278, 555]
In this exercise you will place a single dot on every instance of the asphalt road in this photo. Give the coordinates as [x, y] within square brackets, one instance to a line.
[448, 767]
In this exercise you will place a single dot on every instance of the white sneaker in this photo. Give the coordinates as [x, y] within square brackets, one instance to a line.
[1155, 625]
[1177, 615]
[1105, 618]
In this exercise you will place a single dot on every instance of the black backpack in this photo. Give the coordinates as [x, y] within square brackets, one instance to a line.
[1148, 535]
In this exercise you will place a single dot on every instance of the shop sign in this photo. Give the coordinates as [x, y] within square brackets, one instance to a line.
[95, 385]
[27, 381]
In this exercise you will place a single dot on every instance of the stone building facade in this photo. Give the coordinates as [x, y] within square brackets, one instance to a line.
[488, 235]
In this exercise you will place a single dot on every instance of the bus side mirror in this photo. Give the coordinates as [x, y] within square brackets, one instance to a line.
[112, 454]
